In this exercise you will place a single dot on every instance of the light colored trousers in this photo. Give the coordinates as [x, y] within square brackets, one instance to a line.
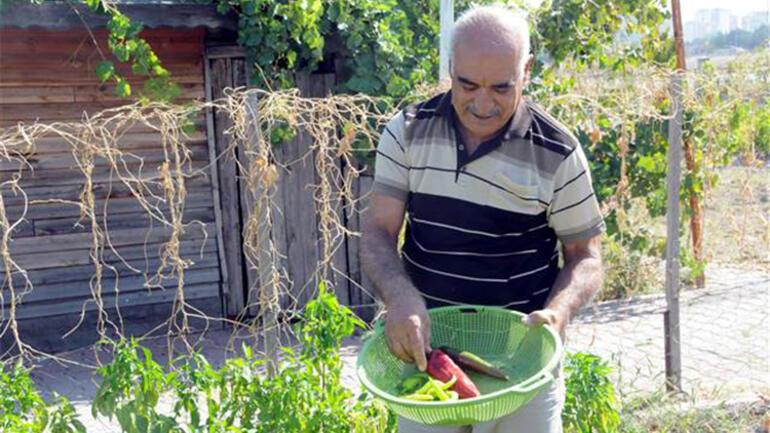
[541, 415]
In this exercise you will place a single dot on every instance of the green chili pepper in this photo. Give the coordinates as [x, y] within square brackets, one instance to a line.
[476, 358]
[413, 383]
[448, 384]
[419, 397]
[437, 390]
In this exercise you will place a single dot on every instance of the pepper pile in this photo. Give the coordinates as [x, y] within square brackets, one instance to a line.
[445, 380]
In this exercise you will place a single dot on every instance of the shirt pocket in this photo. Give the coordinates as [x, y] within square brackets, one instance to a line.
[515, 195]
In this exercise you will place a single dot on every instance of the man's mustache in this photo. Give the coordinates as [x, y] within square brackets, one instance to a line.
[475, 112]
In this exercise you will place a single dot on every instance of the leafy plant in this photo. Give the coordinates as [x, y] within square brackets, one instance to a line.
[591, 405]
[22, 409]
[126, 45]
[628, 271]
[130, 390]
[304, 393]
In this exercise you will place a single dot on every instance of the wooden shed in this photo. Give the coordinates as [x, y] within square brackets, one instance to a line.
[47, 62]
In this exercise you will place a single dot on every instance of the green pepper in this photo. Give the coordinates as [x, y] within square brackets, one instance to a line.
[476, 358]
[419, 397]
[448, 384]
[413, 383]
[437, 390]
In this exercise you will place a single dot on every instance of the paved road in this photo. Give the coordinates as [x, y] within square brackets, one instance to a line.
[725, 336]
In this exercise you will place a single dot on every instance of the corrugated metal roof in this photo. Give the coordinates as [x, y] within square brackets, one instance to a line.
[56, 15]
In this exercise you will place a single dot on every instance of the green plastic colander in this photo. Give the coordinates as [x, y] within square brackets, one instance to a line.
[529, 357]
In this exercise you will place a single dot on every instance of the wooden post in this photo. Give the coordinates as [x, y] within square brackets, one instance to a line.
[447, 19]
[673, 181]
[696, 219]
[295, 230]
[219, 74]
[211, 142]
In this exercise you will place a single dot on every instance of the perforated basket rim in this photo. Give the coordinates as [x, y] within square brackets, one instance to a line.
[379, 331]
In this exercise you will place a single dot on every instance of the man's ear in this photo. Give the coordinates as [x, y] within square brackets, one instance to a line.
[528, 68]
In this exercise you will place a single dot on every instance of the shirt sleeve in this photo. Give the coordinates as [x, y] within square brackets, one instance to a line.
[574, 210]
[391, 167]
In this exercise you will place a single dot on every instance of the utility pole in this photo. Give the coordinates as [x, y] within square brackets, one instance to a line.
[447, 21]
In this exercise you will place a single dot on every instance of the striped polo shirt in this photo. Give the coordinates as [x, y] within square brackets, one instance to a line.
[482, 228]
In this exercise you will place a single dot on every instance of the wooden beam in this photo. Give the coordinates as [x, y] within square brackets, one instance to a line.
[133, 299]
[221, 77]
[224, 287]
[360, 301]
[125, 284]
[75, 241]
[225, 52]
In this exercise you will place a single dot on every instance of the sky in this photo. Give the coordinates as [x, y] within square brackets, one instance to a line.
[738, 7]
[689, 7]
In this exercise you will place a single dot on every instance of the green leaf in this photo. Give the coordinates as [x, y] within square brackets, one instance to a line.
[122, 89]
[104, 70]
[95, 5]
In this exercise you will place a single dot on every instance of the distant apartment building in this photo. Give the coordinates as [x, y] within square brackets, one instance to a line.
[711, 21]
[735, 23]
[755, 20]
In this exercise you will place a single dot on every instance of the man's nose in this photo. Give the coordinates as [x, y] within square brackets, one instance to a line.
[485, 105]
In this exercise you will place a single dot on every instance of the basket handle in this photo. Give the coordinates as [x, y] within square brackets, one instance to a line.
[379, 324]
[535, 382]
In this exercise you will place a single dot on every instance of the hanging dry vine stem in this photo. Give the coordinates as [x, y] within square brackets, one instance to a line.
[332, 123]
[336, 126]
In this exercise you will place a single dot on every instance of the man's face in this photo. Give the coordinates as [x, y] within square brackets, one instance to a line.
[486, 87]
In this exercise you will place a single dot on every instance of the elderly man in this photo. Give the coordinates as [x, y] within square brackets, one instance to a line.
[489, 183]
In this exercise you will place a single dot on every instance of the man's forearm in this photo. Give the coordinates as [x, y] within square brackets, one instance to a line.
[383, 266]
[575, 285]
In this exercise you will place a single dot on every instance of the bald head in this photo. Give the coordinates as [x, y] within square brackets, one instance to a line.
[493, 28]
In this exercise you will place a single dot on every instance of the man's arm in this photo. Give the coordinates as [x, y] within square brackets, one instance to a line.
[577, 282]
[407, 326]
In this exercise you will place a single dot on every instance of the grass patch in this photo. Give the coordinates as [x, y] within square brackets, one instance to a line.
[661, 414]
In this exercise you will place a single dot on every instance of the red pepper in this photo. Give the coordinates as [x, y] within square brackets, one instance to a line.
[441, 366]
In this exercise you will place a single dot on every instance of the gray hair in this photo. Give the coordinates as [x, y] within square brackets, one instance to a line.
[508, 28]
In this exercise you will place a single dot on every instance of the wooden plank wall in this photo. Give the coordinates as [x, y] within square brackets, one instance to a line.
[49, 76]
[295, 232]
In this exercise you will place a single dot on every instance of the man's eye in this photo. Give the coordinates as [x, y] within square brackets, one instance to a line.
[470, 88]
[502, 90]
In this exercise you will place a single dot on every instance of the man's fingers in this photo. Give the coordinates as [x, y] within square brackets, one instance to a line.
[401, 352]
[417, 349]
[398, 349]
[539, 317]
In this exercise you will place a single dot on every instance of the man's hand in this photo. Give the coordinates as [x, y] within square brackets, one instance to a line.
[407, 331]
[547, 316]
[576, 284]
[407, 326]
